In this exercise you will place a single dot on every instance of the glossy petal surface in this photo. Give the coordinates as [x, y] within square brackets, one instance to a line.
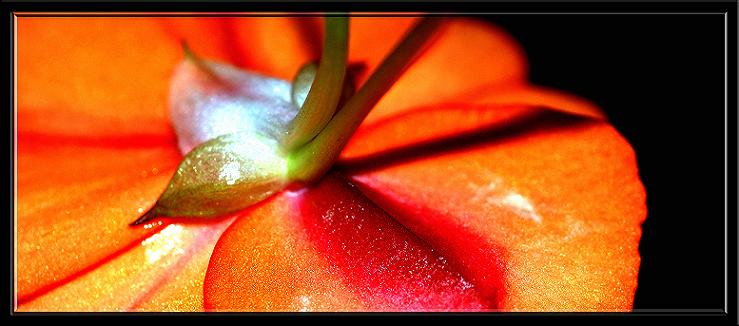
[329, 248]
[157, 274]
[75, 203]
[559, 198]
[518, 211]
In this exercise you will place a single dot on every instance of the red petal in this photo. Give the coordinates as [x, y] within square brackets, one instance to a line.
[164, 273]
[329, 249]
[561, 197]
[74, 205]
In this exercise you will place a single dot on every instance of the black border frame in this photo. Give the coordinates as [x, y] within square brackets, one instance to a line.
[729, 7]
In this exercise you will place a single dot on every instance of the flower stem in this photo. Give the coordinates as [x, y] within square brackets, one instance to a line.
[311, 161]
[325, 92]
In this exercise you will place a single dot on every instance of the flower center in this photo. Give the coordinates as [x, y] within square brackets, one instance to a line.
[244, 135]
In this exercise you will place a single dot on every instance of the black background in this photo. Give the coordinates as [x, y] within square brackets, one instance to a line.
[660, 79]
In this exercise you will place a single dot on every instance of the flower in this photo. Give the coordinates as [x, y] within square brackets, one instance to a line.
[460, 191]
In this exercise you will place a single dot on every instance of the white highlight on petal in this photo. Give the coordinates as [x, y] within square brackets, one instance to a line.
[496, 195]
[304, 303]
[521, 205]
[167, 242]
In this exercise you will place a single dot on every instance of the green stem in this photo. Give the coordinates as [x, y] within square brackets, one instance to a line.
[314, 159]
[325, 92]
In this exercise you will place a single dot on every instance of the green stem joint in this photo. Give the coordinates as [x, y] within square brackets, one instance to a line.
[309, 162]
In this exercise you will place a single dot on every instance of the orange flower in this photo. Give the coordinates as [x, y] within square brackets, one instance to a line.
[470, 194]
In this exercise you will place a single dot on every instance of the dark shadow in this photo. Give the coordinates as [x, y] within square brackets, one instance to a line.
[150, 217]
[534, 122]
[310, 31]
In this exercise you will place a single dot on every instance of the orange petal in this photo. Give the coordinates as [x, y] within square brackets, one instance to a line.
[163, 273]
[467, 55]
[210, 38]
[441, 123]
[278, 46]
[561, 196]
[275, 46]
[462, 54]
[93, 76]
[262, 263]
[470, 115]
[328, 248]
[372, 38]
[74, 205]
[536, 96]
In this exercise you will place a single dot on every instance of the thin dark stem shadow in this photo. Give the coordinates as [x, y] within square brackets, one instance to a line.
[535, 122]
